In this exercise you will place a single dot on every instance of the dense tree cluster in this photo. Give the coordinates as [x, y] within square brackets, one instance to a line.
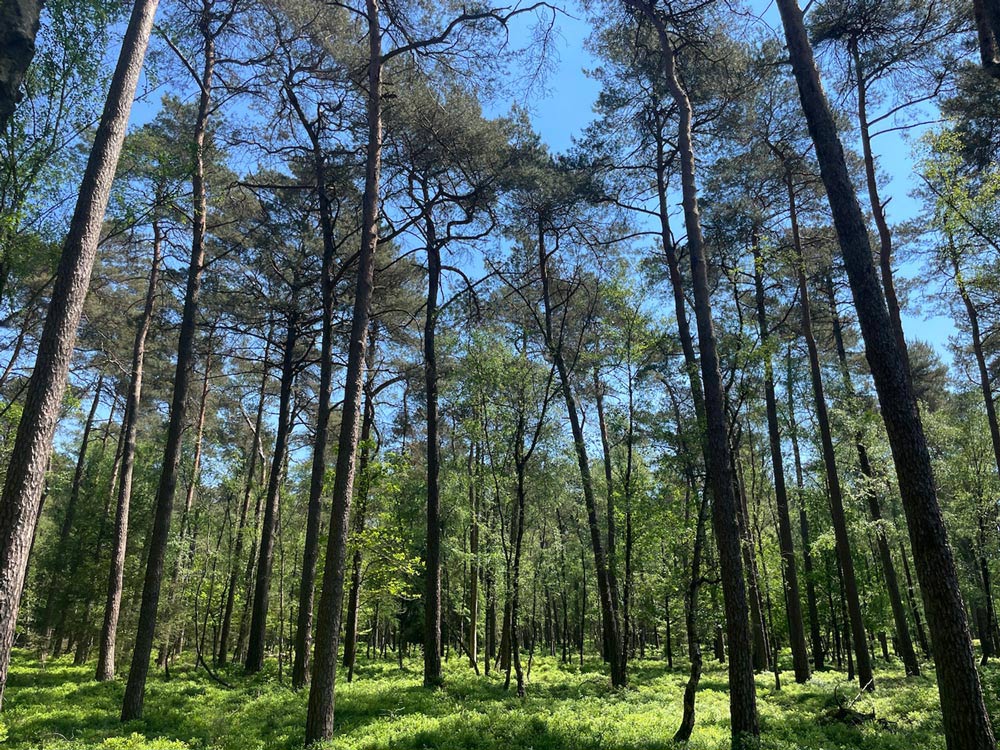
[329, 357]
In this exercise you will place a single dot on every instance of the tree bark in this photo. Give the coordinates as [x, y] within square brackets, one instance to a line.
[135, 690]
[25, 478]
[19, 22]
[966, 722]
[432, 589]
[320, 712]
[743, 697]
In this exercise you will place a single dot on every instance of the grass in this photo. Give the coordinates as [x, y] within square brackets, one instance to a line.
[56, 706]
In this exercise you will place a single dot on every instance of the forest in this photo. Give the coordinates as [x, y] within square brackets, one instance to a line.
[347, 402]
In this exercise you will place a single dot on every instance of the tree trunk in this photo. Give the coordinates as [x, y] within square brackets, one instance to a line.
[319, 717]
[237, 558]
[265, 556]
[904, 642]
[743, 697]
[354, 598]
[843, 542]
[25, 478]
[815, 636]
[19, 22]
[56, 593]
[432, 590]
[135, 690]
[793, 604]
[130, 421]
[310, 552]
[474, 558]
[610, 624]
[966, 722]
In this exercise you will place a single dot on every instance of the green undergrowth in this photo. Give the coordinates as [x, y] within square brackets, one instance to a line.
[56, 706]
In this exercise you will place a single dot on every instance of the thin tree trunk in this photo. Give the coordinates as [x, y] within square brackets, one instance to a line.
[354, 598]
[265, 556]
[793, 604]
[843, 542]
[904, 642]
[966, 721]
[815, 636]
[611, 625]
[135, 690]
[25, 478]
[130, 421]
[319, 718]
[743, 697]
[237, 557]
[66, 528]
[310, 552]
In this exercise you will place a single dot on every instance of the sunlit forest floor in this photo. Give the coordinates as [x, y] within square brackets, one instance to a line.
[58, 706]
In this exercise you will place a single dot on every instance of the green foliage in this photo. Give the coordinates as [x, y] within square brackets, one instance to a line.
[58, 707]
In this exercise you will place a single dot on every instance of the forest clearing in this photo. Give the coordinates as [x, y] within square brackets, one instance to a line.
[396, 374]
[60, 707]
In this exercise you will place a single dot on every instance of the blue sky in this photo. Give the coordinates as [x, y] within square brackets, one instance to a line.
[566, 108]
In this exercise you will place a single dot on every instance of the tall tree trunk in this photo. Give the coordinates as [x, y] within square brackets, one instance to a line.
[432, 590]
[904, 642]
[611, 627]
[743, 696]
[683, 733]
[25, 478]
[241, 528]
[354, 598]
[319, 718]
[130, 421]
[56, 586]
[843, 542]
[473, 465]
[966, 722]
[265, 557]
[877, 207]
[977, 349]
[793, 604]
[135, 690]
[815, 635]
[310, 552]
